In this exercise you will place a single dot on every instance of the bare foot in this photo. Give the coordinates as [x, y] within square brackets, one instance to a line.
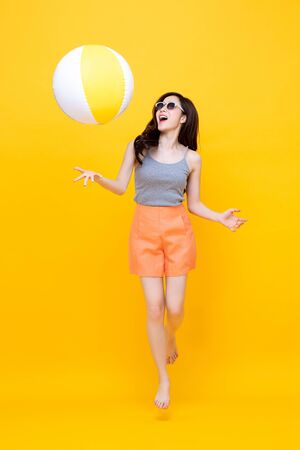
[172, 352]
[162, 398]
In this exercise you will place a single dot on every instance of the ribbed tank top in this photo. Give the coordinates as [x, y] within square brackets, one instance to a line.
[160, 184]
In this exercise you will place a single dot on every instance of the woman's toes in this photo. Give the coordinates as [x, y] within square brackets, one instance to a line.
[172, 355]
[162, 397]
[171, 358]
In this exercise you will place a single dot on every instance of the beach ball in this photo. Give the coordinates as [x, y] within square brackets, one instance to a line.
[93, 84]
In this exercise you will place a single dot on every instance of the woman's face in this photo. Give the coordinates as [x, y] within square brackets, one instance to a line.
[174, 116]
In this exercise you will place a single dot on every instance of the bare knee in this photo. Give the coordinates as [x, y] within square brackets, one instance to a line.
[175, 311]
[175, 307]
[154, 297]
[155, 313]
[175, 294]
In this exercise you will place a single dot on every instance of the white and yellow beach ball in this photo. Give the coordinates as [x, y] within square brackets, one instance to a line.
[93, 84]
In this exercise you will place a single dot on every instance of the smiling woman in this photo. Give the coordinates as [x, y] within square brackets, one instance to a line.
[162, 240]
[189, 127]
[188, 133]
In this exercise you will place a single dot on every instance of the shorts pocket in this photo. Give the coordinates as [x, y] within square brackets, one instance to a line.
[186, 223]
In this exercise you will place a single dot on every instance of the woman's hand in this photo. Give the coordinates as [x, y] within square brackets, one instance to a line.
[229, 220]
[87, 174]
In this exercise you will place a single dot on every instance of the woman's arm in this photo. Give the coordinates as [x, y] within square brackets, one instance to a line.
[203, 211]
[119, 185]
[195, 206]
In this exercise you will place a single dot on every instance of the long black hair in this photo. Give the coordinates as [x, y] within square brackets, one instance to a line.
[188, 133]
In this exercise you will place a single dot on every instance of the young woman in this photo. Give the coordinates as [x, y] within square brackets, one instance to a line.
[162, 241]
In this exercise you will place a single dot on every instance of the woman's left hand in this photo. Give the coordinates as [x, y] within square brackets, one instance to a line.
[229, 220]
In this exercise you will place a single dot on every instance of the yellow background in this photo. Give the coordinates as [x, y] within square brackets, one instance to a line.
[76, 368]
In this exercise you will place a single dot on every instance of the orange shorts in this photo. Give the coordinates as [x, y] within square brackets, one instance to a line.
[161, 241]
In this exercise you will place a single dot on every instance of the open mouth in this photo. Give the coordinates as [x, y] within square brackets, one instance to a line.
[162, 118]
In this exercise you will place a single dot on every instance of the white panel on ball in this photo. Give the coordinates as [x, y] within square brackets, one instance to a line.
[68, 88]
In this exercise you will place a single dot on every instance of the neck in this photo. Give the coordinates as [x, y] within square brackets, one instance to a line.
[168, 142]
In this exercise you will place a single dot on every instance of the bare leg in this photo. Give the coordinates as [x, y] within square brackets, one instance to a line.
[155, 301]
[175, 294]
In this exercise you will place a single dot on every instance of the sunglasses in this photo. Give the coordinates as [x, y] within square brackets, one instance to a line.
[170, 105]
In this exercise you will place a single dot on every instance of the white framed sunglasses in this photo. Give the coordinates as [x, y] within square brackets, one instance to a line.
[170, 105]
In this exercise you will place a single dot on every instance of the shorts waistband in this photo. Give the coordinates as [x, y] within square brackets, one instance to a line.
[169, 207]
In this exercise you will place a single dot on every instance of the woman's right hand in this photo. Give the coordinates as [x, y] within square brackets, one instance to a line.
[87, 174]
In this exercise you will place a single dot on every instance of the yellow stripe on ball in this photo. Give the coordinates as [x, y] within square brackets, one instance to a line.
[99, 68]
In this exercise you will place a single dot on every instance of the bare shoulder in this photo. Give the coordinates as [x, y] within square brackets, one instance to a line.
[194, 159]
[130, 146]
[130, 149]
[194, 156]
[129, 154]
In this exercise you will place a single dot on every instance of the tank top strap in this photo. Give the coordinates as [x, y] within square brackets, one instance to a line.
[185, 153]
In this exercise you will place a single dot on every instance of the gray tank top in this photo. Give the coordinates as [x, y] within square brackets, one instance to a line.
[160, 184]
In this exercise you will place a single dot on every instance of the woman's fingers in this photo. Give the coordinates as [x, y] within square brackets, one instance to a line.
[86, 174]
[241, 221]
[79, 178]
